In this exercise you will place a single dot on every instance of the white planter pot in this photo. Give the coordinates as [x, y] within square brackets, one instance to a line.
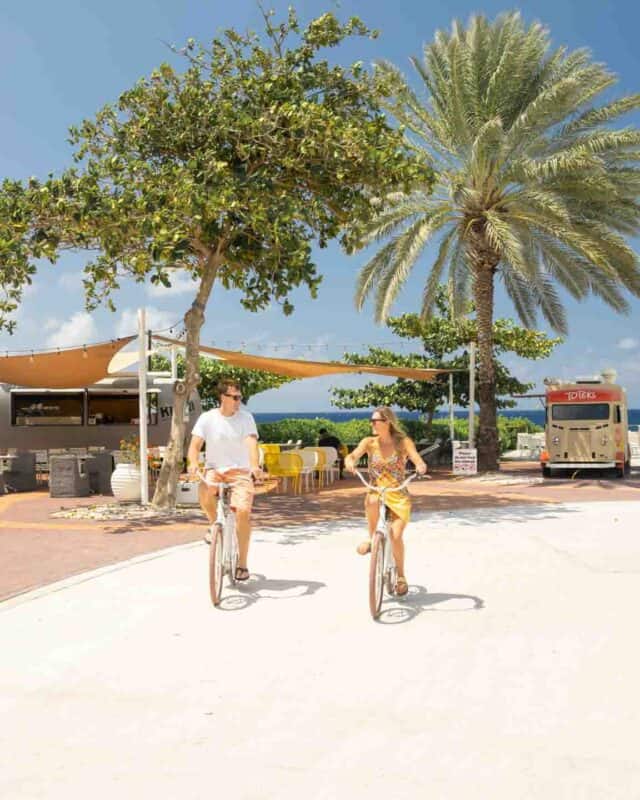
[125, 483]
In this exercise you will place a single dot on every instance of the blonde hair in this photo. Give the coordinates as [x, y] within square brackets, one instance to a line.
[397, 434]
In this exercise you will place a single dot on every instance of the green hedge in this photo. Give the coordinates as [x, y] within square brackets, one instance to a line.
[351, 431]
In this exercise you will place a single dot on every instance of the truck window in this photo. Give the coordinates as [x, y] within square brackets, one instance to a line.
[618, 414]
[572, 412]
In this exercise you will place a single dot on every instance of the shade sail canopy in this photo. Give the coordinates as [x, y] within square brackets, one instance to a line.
[61, 369]
[308, 369]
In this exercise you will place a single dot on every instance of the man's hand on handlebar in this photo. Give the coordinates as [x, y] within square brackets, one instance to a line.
[257, 474]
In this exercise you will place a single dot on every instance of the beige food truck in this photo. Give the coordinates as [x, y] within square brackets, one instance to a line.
[586, 426]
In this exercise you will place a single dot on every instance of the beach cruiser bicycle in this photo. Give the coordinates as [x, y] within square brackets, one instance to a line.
[223, 552]
[382, 567]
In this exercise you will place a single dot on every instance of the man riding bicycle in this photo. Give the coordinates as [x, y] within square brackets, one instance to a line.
[231, 438]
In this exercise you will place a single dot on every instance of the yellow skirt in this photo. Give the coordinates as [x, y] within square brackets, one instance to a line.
[398, 502]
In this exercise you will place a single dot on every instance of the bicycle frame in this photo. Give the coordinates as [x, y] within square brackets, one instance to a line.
[387, 571]
[224, 516]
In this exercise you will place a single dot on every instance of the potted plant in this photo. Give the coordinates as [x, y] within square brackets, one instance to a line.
[125, 480]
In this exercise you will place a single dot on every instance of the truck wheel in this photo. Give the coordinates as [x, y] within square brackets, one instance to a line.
[623, 472]
[546, 472]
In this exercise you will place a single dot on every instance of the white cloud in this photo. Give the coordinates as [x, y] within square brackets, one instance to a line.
[181, 283]
[157, 320]
[628, 343]
[80, 329]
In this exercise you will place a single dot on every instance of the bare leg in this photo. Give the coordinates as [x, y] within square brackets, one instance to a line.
[208, 501]
[243, 529]
[372, 511]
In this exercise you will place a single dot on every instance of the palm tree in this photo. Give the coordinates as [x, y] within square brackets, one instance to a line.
[532, 184]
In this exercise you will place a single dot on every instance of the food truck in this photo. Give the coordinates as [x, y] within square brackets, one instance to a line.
[99, 415]
[586, 426]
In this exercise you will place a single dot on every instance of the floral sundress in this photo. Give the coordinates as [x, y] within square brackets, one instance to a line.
[390, 472]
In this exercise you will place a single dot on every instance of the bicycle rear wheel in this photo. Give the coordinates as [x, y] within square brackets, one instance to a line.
[376, 574]
[215, 564]
[231, 547]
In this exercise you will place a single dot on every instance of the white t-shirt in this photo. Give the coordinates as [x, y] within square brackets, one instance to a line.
[225, 438]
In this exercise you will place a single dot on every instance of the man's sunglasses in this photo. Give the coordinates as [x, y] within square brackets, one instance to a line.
[377, 419]
[234, 396]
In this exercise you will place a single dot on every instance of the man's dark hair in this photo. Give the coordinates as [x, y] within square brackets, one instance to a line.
[323, 430]
[225, 384]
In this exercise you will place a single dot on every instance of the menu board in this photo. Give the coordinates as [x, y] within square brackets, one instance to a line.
[465, 461]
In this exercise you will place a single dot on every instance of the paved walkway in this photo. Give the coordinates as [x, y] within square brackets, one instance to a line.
[509, 671]
[36, 549]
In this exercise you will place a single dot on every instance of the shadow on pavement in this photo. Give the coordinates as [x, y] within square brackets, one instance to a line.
[258, 587]
[510, 513]
[419, 600]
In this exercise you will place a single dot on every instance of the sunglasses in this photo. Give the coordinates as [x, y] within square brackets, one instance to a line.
[234, 396]
[377, 419]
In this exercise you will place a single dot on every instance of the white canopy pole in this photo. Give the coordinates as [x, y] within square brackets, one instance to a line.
[142, 405]
[451, 426]
[174, 364]
[472, 392]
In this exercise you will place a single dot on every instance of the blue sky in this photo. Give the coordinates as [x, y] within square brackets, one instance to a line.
[62, 61]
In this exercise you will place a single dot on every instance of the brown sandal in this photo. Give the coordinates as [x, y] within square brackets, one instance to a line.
[364, 547]
[402, 587]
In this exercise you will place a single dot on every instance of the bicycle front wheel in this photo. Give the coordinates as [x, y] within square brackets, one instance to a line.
[231, 548]
[376, 574]
[215, 564]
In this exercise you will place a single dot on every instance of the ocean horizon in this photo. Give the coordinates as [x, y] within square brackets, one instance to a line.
[536, 415]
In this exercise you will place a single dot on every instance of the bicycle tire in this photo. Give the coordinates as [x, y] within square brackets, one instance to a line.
[216, 564]
[231, 543]
[376, 574]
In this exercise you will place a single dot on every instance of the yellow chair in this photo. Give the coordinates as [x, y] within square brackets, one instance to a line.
[321, 466]
[285, 466]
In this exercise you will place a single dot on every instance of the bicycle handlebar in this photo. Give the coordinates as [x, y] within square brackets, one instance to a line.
[384, 489]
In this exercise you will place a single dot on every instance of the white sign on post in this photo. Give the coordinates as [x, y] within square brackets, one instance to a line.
[465, 461]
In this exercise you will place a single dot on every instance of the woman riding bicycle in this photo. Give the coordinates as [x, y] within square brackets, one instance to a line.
[388, 451]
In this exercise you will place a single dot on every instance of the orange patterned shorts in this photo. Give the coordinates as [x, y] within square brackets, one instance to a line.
[242, 490]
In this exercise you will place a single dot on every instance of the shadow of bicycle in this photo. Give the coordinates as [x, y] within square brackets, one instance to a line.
[259, 587]
[419, 600]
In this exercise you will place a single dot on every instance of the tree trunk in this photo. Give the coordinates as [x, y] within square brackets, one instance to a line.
[428, 423]
[487, 441]
[484, 260]
[165, 493]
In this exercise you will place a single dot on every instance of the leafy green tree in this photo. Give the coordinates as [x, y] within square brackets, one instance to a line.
[442, 336]
[230, 170]
[535, 186]
[211, 371]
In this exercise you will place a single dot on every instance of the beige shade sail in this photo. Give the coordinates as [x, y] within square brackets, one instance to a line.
[308, 369]
[61, 369]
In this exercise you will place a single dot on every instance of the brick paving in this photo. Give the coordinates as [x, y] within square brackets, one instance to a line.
[36, 549]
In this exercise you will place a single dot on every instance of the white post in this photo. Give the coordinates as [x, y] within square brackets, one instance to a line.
[174, 364]
[451, 426]
[472, 393]
[142, 406]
